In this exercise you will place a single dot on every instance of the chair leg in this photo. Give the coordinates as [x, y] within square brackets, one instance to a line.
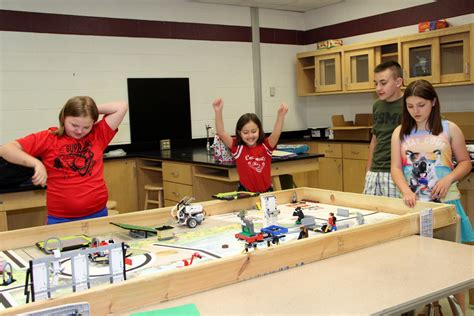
[146, 200]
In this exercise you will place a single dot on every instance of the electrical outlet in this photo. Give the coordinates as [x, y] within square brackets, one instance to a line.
[272, 91]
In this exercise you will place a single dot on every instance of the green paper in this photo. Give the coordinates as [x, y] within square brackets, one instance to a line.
[183, 310]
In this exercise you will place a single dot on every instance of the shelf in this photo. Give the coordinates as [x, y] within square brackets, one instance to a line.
[151, 168]
[390, 54]
[452, 45]
[220, 174]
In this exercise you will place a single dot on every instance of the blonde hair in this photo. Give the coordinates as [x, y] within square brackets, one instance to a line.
[79, 106]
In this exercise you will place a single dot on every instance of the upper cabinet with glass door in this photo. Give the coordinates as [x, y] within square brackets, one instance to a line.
[328, 73]
[359, 69]
[441, 57]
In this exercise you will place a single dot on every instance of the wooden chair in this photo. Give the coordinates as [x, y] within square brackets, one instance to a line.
[149, 190]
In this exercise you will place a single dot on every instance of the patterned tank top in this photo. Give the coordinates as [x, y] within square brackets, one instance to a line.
[426, 159]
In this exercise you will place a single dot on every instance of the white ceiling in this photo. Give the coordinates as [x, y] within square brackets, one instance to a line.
[288, 5]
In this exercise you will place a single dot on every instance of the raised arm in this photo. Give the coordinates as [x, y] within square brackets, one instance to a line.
[409, 197]
[115, 112]
[13, 152]
[275, 135]
[218, 105]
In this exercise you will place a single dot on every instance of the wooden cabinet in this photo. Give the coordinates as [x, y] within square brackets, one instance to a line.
[440, 57]
[354, 166]
[328, 73]
[330, 167]
[443, 57]
[177, 182]
[387, 52]
[120, 175]
[418, 57]
[343, 167]
[359, 69]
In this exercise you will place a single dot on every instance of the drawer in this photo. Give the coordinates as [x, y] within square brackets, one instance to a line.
[330, 150]
[179, 173]
[355, 151]
[175, 191]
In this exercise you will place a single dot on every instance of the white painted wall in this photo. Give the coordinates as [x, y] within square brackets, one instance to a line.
[348, 10]
[39, 72]
[155, 10]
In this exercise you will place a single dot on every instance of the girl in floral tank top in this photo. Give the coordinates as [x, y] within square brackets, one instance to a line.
[422, 150]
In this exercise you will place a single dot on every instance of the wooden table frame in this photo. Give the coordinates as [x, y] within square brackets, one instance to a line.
[116, 298]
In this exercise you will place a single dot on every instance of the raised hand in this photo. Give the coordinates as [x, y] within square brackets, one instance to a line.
[283, 109]
[218, 104]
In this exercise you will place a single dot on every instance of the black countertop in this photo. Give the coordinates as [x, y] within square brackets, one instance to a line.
[201, 157]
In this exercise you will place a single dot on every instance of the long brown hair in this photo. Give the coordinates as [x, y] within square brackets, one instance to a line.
[423, 89]
[244, 119]
[80, 106]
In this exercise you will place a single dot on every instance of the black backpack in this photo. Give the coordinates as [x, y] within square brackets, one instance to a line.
[12, 175]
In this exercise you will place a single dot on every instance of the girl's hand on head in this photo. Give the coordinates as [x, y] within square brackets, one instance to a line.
[441, 188]
[409, 198]
[283, 109]
[40, 176]
[218, 104]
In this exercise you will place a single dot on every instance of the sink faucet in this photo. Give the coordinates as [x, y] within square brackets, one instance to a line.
[208, 145]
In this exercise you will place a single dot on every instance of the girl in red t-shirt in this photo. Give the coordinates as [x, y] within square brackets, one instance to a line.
[250, 148]
[68, 159]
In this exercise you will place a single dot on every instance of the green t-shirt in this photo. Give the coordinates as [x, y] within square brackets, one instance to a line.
[387, 116]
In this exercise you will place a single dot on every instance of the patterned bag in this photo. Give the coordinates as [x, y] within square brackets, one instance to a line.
[220, 151]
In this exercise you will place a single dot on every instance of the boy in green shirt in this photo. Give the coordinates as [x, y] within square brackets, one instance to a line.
[387, 114]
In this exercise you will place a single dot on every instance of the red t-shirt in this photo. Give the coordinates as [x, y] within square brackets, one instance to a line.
[75, 185]
[254, 165]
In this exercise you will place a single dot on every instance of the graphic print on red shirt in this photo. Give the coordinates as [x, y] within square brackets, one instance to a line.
[254, 165]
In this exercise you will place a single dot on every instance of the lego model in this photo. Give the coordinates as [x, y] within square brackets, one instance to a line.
[269, 206]
[304, 233]
[137, 231]
[42, 276]
[306, 221]
[6, 271]
[186, 214]
[331, 224]
[271, 234]
[248, 233]
[102, 256]
[298, 212]
[234, 195]
[189, 262]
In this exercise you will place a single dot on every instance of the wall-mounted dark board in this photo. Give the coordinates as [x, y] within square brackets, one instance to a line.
[159, 108]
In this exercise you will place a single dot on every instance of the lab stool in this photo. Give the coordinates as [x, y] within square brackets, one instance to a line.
[149, 190]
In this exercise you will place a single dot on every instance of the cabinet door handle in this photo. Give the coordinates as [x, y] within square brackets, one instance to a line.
[175, 174]
[466, 67]
[355, 152]
[175, 193]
